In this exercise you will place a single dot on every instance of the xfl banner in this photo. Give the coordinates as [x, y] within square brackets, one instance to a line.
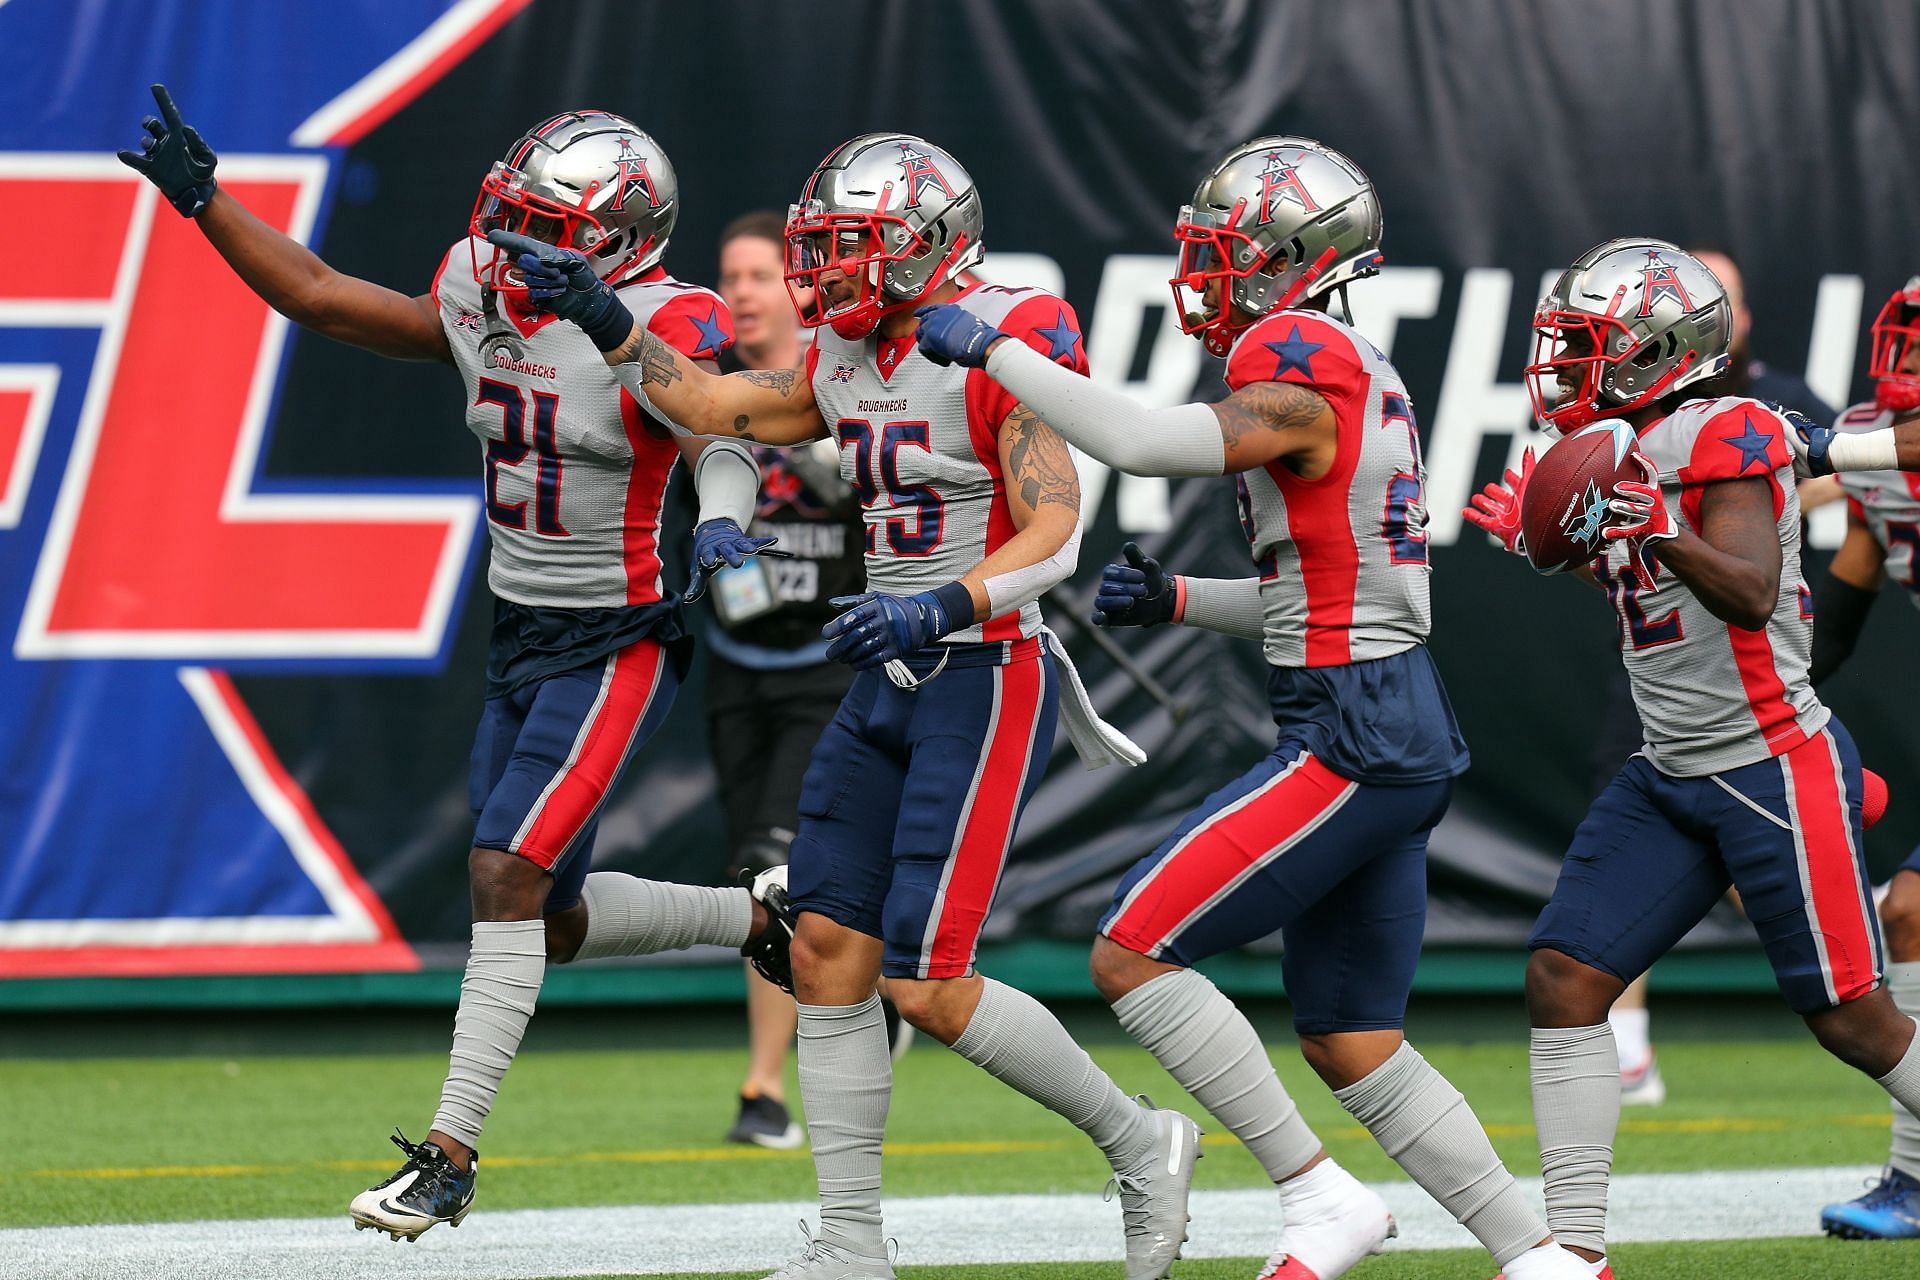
[241, 568]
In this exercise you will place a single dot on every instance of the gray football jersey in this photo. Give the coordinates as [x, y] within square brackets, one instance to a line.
[575, 471]
[1713, 696]
[1342, 559]
[920, 444]
[1887, 501]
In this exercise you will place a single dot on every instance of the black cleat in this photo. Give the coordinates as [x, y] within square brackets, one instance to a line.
[429, 1188]
[765, 1122]
[768, 950]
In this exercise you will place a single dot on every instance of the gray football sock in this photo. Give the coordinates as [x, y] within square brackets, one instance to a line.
[504, 971]
[628, 916]
[1424, 1124]
[1016, 1040]
[1903, 981]
[1903, 1082]
[1208, 1045]
[1576, 1112]
[846, 1081]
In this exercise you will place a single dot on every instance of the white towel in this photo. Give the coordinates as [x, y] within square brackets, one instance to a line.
[1099, 743]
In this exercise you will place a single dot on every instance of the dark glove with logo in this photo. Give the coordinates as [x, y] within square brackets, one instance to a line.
[1135, 594]
[1810, 441]
[174, 158]
[718, 542]
[879, 628]
[563, 282]
[951, 334]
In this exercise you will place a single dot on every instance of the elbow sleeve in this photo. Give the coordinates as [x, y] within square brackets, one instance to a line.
[727, 481]
[1017, 588]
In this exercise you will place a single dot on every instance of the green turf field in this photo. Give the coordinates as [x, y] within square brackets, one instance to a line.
[130, 1139]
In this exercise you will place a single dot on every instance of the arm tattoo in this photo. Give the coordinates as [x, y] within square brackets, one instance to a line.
[781, 380]
[656, 359]
[1268, 406]
[1041, 464]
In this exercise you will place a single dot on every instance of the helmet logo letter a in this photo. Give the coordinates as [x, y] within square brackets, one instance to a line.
[1278, 181]
[633, 173]
[919, 170]
[1658, 280]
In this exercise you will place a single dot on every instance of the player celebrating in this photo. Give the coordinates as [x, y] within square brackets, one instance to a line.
[1883, 540]
[1745, 779]
[587, 649]
[907, 811]
[1326, 838]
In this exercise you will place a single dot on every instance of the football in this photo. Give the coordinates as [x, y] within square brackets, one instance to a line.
[1564, 510]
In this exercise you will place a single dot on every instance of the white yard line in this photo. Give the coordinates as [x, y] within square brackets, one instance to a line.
[657, 1239]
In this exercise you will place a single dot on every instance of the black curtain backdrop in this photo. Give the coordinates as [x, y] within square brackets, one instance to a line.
[1502, 134]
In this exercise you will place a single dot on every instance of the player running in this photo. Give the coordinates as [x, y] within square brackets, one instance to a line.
[587, 646]
[1883, 541]
[1746, 778]
[907, 811]
[1326, 838]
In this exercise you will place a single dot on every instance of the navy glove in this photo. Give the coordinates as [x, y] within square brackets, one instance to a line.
[1810, 440]
[879, 628]
[717, 542]
[1135, 594]
[174, 158]
[951, 334]
[563, 282]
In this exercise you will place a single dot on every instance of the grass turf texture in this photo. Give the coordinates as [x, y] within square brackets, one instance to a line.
[162, 1139]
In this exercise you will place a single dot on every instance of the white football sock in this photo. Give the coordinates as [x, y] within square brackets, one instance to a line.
[628, 916]
[846, 1082]
[504, 971]
[1903, 1082]
[1576, 1113]
[1208, 1045]
[1427, 1127]
[1903, 982]
[1014, 1039]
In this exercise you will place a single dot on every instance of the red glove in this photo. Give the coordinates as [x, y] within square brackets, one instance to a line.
[1640, 516]
[1496, 508]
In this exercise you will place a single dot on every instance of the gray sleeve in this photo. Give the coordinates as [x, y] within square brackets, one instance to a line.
[1231, 606]
[1115, 428]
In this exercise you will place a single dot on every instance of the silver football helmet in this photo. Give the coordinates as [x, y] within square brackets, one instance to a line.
[585, 180]
[1630, 322]
[894, 216]
[1278, 220]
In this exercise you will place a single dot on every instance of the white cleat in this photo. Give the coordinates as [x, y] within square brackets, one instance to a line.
[824, 1260]
[1643, 1088]
[1153, 1194]
[1329, 1231]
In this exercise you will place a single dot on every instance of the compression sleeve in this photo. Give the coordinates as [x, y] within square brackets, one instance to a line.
[1231, 606]
[1115, 428]
[1020, 587]
[727, 481]
[1837, 620]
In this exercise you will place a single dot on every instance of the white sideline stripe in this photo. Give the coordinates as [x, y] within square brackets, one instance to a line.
[933, 1231]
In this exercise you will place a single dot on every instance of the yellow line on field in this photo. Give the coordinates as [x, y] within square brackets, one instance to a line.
[709, 1155]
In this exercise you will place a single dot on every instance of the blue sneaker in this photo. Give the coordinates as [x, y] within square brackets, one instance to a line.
[1889, 1211]
[428, 1189]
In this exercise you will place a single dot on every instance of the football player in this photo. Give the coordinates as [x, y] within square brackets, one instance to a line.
[1889, 438]
[588, 646]
[1746, 778]
[1882, 542]
[907, 810]
[1326, 838]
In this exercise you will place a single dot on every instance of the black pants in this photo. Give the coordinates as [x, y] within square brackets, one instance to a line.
[763, 725]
